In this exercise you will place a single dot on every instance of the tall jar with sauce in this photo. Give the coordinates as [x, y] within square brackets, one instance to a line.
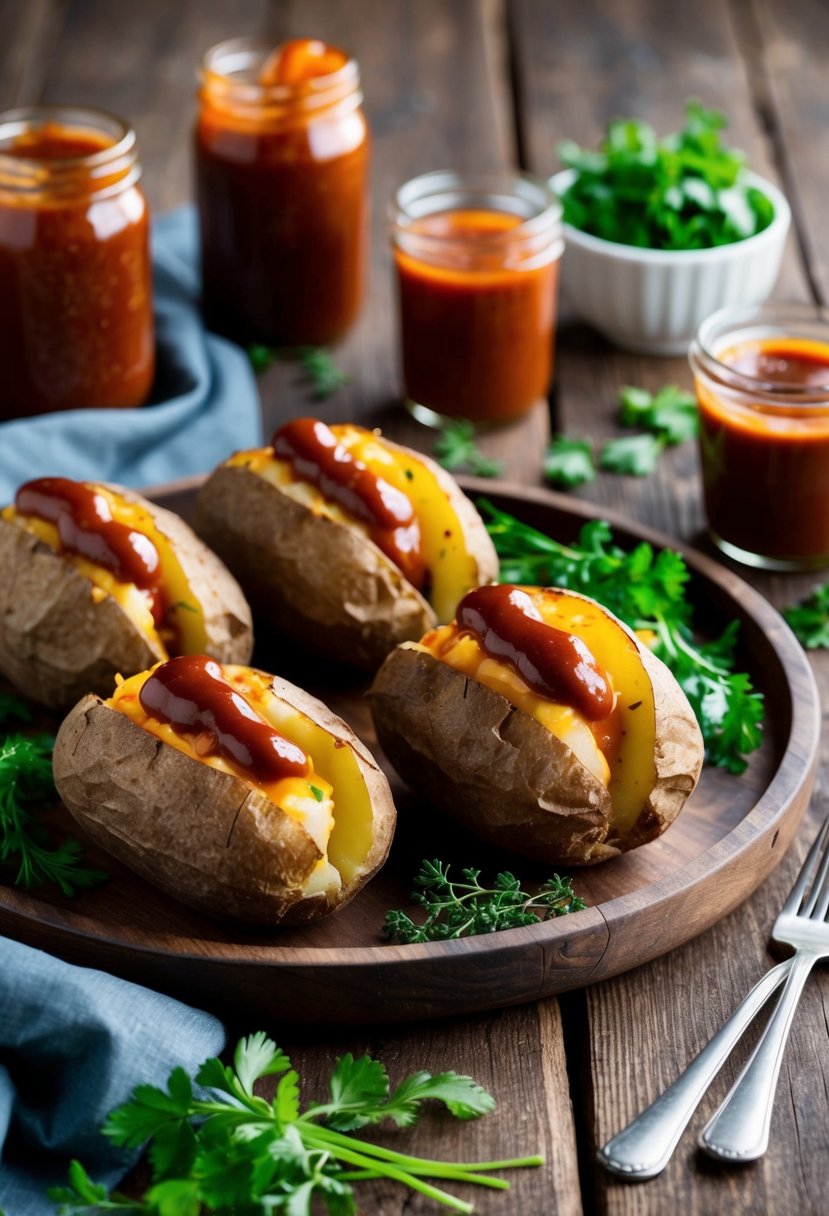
[76, 319]
[762, 383]
[282, 151]
[477, 275]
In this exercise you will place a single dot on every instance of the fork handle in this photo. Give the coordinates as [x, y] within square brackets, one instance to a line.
[739, 1131]
[644, 1148]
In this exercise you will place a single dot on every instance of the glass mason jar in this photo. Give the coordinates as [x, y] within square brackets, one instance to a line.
[76, 319]
[762, 381]
[281, 180]
[477, 274]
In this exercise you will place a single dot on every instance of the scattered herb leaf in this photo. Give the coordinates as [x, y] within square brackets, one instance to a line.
[686, 191]
[646, 589]
[25, 785]
[809, 618]
[233, 1151]
[317, 792]
[633, 455]
[456, 449]
[324, 375]
[568, 462]
[669, 413]
[464, 908]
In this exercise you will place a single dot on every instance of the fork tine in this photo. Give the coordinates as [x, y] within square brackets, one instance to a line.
[804, 878]
[819, 895]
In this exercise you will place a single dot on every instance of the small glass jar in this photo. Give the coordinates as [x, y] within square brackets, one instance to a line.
[76, 319]
[762, 382]
[282, 187]
[477, 273]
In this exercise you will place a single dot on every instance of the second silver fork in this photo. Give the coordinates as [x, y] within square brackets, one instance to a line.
[739, 1131]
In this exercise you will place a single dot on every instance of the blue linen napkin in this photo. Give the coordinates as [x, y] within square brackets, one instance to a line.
[204, 405]
[74, 1042]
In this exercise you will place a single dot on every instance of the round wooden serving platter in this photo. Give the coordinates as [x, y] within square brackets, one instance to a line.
[729, 837]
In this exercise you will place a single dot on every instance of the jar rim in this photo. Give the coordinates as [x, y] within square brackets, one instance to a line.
[441, 190]
[744, 323]
[316, 89]
[26, 118]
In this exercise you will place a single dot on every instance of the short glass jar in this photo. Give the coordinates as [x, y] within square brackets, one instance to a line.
[282, 185]
[762, 382]
[76, 318]
[477, 273]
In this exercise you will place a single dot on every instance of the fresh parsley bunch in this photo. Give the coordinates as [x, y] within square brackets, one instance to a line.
[233, 1153]
[645, 589]
[686, 191]
[462, 909]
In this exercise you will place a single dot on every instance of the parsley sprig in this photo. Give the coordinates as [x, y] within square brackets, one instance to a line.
[25, 787]
[457, 449]
[463, 908]
[231, 1150]
[323, 374]
[645, 589]
[686, 191]
[809, 618]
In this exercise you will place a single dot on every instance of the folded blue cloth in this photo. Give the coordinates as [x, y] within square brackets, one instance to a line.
[73, 1044]
[204, 405]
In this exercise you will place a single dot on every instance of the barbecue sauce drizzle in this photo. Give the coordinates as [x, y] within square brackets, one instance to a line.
[191, 694]
[556, 664]
[316, 456]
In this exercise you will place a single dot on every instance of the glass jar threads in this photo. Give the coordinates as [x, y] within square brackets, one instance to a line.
[76, 321]
[282, 150]
[477, 272]
[762, 382]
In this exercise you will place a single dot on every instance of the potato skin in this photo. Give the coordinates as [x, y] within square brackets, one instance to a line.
[200, 834]
[318, 581]
[505, 778]
[57, 642]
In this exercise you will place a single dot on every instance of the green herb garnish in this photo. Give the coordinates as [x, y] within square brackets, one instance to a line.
[324, 375]
[686, 191]
[462, 909]
[809, 619]
[25, 784]
[233, 1151]
[568, 462]
[667, 418]
[456, 449]
[645, 589]
[317, 792]
[632, 455]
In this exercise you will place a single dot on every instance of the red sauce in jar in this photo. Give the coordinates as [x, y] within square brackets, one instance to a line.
[476, 323]
[317, 456]
[765, 461]
[192, 696]
[558, 665]
[76, 321]
[281, 175]
[85, 526]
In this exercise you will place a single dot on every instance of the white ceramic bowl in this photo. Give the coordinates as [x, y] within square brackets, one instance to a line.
[652, 300]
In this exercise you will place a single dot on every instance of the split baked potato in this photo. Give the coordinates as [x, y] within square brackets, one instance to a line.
[542, 768]
[344, 541]
[231, 789]
[95, 580]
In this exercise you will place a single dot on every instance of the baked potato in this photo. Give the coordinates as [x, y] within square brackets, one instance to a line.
[233, 790]
[95, 580]
[542, 724]
[344, 541]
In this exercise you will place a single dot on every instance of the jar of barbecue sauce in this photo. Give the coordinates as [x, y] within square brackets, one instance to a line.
[762, 383]
[76, 319]
[477, 274]
[282, 149]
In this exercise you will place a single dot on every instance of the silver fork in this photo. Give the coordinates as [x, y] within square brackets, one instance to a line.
[739, 1131]
[644, 1147]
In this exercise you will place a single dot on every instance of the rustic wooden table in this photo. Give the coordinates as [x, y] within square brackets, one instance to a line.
[487, 84]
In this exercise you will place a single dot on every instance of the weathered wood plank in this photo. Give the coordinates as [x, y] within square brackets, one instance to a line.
[28, 33]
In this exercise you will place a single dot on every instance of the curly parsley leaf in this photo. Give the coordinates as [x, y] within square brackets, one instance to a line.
[809, 619]
[324, 377]
[645, 589]
[456, 449]
[463, 907]
[568, 462]
[231, 1150]
[633, 455]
